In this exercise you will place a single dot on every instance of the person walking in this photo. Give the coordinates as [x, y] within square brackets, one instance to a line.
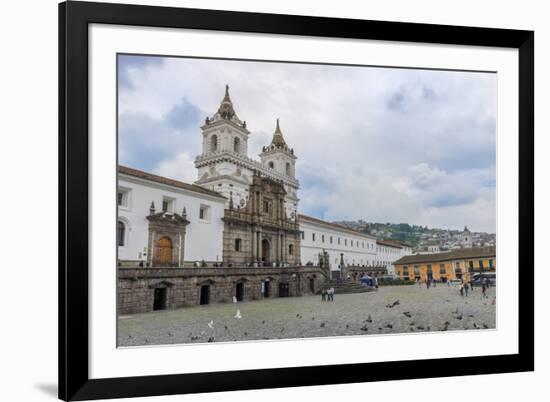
[323, 294]
[484, 290]
[466, 289]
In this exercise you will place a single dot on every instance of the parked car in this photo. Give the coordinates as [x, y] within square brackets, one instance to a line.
[479, 279]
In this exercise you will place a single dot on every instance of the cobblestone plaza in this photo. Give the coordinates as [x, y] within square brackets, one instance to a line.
[391, 309]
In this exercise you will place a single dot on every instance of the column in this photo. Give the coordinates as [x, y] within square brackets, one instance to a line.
[284, 247]
[260, 251]
[276, 248]
[281, 245]
[254, 244]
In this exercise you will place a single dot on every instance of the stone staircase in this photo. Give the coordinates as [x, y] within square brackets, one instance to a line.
[347, 286]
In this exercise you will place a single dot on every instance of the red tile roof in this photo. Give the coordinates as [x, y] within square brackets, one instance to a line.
[170, 182]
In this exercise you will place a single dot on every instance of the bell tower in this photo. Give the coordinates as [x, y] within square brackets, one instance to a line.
[224, 131]
[280, 158]
[224, 149]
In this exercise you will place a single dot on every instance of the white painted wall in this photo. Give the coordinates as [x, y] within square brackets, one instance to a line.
[203, 239]
[362, 252]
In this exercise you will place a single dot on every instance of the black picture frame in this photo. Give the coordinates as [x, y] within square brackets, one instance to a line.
[74, 18]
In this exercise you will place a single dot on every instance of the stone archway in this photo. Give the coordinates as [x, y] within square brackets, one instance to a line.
[164, 252]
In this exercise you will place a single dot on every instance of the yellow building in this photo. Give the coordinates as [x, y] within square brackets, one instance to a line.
[456, 264]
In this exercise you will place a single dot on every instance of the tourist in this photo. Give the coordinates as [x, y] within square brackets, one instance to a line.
[324, 294]
[484, 290]
[331, 294]
[461, 288]
[466, 289]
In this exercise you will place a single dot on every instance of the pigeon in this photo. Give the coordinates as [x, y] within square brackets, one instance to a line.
[459, 317]
[282, 329]
[411, 323]
[389, 326]
[475, 326]
[420, 328]
[369, 319]
[245, 333]
[298, 316]
[211, 339]
[347, 326]
[364, 328]
[322, 325]
[238, 314]
[395, 303]
[407, 314]
[485, 326]
[225, 327]
[211, 324]
[263, 322]
[447, 323]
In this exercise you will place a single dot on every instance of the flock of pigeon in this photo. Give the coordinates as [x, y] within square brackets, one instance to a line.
[458, 320]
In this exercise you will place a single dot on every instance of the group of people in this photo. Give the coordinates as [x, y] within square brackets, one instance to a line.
[465, 286]
[327, 294]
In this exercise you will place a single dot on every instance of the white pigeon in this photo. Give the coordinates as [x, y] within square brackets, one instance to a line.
[211, 324]
[238, 315]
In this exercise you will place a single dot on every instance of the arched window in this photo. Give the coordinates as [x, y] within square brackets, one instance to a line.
[290, 249]
[288, 169]
[271, 165]
[238, 244]
[214, 143]
[236, 145]
[120, 233]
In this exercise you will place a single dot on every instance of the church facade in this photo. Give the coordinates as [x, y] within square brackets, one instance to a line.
[234, 234]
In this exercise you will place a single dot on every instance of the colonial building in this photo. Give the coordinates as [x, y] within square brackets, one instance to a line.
[165, 222]
[233, 235]
[456, 264]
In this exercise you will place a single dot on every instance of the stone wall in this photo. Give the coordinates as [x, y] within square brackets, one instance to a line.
[136, 286]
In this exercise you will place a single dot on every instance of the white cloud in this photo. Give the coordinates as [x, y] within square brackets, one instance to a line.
[391, 145]
[180, 167]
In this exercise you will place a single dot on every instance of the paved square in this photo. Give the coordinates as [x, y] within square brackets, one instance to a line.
[392, 309]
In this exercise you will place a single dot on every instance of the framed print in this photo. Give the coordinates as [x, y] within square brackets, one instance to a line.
[259, 200]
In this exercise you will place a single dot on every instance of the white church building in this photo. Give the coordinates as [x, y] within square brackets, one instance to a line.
[225, 174]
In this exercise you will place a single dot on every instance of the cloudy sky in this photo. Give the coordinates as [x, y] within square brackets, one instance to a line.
[379, 144]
